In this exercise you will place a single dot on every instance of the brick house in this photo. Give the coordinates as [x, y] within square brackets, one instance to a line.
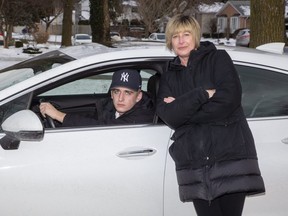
[232, 16]
[206, 14]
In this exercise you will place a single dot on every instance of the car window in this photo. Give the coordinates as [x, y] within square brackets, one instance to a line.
[96, 84]
[24, 70]
[14, 106]
[82, 37]
[161, 36]
[264, 92]
[12, 77]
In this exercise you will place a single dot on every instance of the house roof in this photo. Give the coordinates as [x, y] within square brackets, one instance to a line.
[242, 7]
[210, 8]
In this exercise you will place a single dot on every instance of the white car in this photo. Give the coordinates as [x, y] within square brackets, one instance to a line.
[243, 38]
[78, 39]
[157, 37]
[115, 36]
[121, 170]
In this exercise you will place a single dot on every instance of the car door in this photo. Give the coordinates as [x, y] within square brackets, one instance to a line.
[88, 171]
[101, 170]
[265, 102]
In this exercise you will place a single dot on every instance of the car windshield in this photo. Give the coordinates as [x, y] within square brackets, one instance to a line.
[161, 36]
[24, 70]
[242, 32]
[83, 37]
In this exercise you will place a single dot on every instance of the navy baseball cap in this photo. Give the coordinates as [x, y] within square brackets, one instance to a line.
[127, 78]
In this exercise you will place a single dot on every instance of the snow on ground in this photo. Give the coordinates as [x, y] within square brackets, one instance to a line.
[14, 55]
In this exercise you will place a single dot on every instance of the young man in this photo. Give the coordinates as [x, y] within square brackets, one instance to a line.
[129, 105]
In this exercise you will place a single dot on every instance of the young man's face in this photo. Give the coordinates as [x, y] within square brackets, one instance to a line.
[124, 99]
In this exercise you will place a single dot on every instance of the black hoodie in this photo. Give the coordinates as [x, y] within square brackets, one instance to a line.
[208, 132]
[141, 113]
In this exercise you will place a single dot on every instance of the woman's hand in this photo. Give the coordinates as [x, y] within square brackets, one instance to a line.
[169, 99]
[48, 109]
[211, 92]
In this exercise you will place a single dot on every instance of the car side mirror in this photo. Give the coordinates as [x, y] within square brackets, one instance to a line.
[24, 125]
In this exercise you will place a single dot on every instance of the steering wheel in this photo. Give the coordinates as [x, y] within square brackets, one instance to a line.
[50, 121]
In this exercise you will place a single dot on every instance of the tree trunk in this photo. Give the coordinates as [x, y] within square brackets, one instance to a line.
[67, 23]
[267, 22]
[100, 21]
[47, 27]
[106, 24]
[7, 36]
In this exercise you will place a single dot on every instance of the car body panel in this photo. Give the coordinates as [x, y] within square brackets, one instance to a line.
[86, 170]
[67, 177]
[272, 154]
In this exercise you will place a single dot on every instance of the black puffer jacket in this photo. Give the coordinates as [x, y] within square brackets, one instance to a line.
[141, 113]
[213, 147]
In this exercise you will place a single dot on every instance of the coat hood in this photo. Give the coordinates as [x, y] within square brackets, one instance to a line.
[205, 48]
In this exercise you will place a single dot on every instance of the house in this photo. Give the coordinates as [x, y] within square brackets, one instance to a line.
[232, 16]
[205, 14]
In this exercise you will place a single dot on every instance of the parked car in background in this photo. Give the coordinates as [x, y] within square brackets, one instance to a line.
[157, 37]
[123, 170]
[136, 31]
[1, 39]
[243, 38]
[81, 39]
[115, 36]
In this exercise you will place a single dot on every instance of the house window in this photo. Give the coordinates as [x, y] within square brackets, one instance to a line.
[222, 24]
[234, 24]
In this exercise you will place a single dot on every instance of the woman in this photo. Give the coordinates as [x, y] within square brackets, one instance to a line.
[200, 98]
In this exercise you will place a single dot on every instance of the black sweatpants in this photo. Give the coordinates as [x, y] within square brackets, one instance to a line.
[226, 205]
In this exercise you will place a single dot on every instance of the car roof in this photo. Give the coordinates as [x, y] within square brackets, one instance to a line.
[144, 49]
[237, 54]
[255, 56]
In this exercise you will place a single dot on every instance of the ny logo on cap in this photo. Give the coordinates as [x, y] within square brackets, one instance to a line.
[124, 77]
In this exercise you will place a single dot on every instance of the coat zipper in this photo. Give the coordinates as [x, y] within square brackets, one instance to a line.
[207, 182]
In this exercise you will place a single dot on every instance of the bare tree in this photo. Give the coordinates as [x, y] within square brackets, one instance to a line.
[115, 10]
[267, 22]
[100, 21]
[153, 12]
[15, 12]
[102, 13]
[49, 11]
[68, 6]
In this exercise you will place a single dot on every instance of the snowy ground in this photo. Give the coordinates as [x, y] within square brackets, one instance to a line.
[13, 55]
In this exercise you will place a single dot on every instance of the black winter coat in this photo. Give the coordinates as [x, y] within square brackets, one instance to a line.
[142, 113]
[213, 147]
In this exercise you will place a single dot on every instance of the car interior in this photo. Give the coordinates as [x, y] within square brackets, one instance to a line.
[82, 94]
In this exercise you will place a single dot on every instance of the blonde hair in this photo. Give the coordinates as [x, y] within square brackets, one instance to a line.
[182, 23]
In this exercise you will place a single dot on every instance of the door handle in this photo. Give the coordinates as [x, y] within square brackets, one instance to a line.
[285, 140]
[136, 152]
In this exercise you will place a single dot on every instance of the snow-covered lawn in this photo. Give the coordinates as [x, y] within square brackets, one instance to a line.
[13, 55]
